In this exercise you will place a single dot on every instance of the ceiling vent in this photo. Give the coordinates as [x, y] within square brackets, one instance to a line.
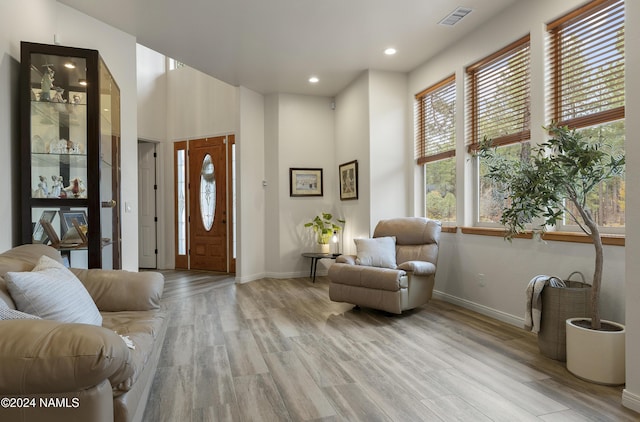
[455, 16]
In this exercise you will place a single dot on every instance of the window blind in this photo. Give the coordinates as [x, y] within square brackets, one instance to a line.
[498, 96]
[587, 65]
[435, 121]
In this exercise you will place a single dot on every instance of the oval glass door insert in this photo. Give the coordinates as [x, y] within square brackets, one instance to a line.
[207, 192]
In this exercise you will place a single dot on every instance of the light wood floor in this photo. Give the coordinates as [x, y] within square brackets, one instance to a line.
[279, 350]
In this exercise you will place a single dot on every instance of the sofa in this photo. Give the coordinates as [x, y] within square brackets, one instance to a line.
[394, 271]
[69, 371]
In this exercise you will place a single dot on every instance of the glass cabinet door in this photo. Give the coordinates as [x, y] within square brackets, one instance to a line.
[70, 154]
[110, 168]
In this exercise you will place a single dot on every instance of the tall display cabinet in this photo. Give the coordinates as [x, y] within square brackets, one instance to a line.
[70, 149]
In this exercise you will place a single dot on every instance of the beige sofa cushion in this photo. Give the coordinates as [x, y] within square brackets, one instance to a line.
[120, 290]
[142, 328]
[55, 357]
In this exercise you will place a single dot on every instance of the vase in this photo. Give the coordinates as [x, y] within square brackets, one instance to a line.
[323, 247]
[596, 355]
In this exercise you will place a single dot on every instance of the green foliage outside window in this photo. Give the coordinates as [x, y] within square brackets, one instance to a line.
[440, 183]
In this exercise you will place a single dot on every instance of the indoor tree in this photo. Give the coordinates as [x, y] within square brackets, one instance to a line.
[555, 181]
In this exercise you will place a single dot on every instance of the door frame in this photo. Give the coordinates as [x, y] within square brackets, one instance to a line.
[184, 261]
[155, 201]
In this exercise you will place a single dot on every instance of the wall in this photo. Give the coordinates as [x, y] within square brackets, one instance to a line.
[199, 105]
[273, 185]
[631, 394]
[39, 21]
[352, 134]
[464, 258]
[151, 75]
[16, 24]
[176, 105]
[390, 185]
[300, 133]
[250, 152]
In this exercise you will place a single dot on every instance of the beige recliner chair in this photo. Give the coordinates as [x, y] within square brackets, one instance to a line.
[394, 271]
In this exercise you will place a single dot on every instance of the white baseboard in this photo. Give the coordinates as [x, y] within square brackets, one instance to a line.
[290, 274]
[248, 278]
[481, 309]
[631, 400]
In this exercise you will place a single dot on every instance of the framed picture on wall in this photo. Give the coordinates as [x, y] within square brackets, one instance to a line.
[348, 176]
[305, 182]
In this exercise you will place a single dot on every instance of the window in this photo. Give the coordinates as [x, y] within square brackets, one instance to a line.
[498, 104]
[435, 148]
[175, 64]
[587, 74]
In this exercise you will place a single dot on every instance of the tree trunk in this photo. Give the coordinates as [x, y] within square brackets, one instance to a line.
[597, 274]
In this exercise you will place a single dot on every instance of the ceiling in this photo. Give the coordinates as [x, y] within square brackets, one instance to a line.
[276, 45]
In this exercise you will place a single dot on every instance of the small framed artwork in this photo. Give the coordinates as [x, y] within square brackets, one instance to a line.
[68, 216]
[305, 182]
[348, 175]
[40, 235]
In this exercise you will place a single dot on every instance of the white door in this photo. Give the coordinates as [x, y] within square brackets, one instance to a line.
[147, 250]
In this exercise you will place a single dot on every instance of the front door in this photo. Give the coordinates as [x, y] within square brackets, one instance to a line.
[208, 204]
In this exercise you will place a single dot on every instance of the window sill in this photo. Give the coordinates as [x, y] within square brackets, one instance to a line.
[572, 237]
[449, 229]
[491, 231]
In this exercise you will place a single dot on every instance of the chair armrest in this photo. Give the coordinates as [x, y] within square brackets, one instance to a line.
[346, 259]
[119, 290]
[418, 267]
[43, 356]
[361, 275]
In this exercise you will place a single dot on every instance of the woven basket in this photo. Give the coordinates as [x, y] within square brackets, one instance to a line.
[559, 304]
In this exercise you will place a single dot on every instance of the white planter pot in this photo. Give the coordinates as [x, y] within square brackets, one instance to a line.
[323, 247]
[596, 356]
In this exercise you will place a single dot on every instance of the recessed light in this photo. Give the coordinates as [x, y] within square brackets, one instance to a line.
[82, 82]
[314, 80]
[70, 65]
[390, 51]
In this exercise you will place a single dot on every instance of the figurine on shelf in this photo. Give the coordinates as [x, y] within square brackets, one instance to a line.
[43, 190]
[73, 148]
[57, 97]
[76, 187]
[56, 186]
[43, 184]
[59, 147]
[47, 83]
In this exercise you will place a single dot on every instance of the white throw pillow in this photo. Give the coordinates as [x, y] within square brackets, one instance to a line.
[376, 252]
[51, 291]
[7, 314]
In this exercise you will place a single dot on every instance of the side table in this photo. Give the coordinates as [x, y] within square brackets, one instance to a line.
[315, 257]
